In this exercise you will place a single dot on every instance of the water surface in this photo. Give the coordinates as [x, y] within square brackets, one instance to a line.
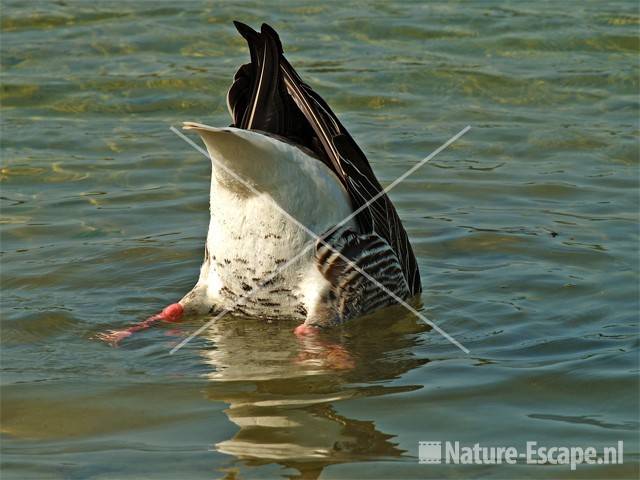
[526, 232]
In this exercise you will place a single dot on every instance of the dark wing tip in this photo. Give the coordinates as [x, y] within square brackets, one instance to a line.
[265, 27]
[270, 32]
[245, 30]
[250, 34]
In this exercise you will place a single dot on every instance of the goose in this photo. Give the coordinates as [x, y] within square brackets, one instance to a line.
[286, 156]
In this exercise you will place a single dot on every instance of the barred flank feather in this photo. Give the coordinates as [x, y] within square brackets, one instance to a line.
[269, 95]
[370, 253]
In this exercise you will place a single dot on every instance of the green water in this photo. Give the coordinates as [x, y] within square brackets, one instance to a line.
[526, 231]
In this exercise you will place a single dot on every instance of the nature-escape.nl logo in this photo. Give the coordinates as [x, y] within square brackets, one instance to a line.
[476, 454]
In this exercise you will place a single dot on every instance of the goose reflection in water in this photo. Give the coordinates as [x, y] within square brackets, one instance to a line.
[282, 390]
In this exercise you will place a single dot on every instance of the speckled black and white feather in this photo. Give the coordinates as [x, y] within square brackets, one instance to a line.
[342, 256]
[282, 115]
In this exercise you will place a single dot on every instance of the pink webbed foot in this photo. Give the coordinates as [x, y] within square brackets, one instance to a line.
[315, 350]
[112, 337]
[304, 329]
[173, 313]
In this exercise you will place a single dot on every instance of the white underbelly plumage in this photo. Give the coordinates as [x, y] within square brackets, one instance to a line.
[248, 243]
[250, 239]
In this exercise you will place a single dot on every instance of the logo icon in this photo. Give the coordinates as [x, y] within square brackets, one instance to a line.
[430, 452]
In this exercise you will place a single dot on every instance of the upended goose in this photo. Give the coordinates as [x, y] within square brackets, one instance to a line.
[286, 151]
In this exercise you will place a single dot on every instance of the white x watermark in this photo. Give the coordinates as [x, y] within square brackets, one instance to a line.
[256, 287]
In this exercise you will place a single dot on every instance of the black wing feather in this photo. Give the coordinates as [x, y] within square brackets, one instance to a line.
[269, 95]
